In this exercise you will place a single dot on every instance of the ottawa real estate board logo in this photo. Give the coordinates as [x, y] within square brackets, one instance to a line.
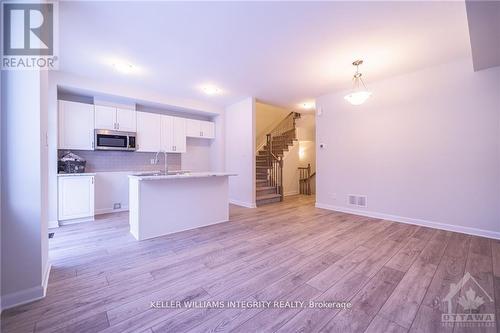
[468, 305]
[29, 35]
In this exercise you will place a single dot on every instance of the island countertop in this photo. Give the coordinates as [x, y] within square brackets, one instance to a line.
[182, 175]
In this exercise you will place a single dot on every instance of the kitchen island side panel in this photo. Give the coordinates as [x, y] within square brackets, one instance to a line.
[172, 205]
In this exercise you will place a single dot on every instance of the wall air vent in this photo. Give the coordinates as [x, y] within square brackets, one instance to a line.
[357, 200]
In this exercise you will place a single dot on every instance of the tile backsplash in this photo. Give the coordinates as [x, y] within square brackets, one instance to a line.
[100, 160]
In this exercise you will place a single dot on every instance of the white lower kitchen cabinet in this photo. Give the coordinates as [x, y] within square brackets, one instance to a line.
[76, 198]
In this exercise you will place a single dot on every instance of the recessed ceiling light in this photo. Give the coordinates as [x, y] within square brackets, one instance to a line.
[211, 90]
[123, 67]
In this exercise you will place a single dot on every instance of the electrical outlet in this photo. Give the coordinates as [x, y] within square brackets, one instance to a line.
[117, 205]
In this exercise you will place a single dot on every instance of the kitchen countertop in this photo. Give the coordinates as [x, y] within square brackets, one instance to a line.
[75, 174]
[181, 175]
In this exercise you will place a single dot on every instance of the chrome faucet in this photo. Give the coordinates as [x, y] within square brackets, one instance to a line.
[165, 155]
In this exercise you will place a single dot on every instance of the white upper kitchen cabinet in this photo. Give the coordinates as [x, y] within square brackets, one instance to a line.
[200, 129]
[76, 125]
[105, 117]
[207, 129]
[193, 128]
[148, 132]
[126, 120]
[173, 134]
[179, 134]
[76, 197]
[115, 119]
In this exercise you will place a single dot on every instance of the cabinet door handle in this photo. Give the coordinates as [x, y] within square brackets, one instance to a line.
[92, 180]
[118, 125]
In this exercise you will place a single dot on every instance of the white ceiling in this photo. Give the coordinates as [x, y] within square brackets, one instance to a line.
[281, 53]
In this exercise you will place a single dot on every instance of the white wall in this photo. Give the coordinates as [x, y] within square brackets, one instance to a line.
[266, 118]
[425, 148]
[218, 146]
[24, 253]
[302, 153]
[111, 188]
[44, 179]
[198, 155]
[291, 162]
[240, 151]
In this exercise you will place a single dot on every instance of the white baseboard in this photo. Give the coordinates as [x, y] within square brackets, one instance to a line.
[286, 194]
[409, 220]
[243, 204]
[79, 220]
[100, 211]
[53, 224]
[28, 295]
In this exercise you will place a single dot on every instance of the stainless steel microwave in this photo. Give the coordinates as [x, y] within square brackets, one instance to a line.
[114, 140]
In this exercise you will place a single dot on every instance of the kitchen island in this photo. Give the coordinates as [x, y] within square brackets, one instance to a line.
[160, 204]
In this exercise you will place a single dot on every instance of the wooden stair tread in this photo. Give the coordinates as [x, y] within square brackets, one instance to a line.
[268, 196]
[265, 188]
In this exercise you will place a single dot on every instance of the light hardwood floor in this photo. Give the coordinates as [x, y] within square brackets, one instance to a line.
[394, 274]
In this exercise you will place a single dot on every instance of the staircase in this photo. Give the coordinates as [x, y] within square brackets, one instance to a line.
[269, 160]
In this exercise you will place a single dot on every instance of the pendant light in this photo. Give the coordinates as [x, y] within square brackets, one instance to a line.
[359, 93]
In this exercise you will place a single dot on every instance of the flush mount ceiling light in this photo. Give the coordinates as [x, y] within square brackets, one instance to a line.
[211, 90]
[123, 67]
[308, 105]
[359, 93]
